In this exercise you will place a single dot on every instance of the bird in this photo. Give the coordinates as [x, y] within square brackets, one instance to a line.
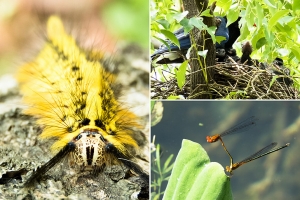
[246, 50]
[234, 33]
[177, 55]
[277, 68]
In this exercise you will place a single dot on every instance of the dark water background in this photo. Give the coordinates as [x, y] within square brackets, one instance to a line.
[274, 176]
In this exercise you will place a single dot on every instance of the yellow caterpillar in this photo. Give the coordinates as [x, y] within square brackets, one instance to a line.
[73, 96]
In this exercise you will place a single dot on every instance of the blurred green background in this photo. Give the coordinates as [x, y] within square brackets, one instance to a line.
[108, 22]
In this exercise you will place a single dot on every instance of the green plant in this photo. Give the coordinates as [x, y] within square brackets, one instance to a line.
[270, 26]
[195, 177]
[160, 172]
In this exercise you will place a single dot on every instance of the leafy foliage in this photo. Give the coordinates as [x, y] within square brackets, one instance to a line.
[270, 26]
[195, 177]
[160, 172]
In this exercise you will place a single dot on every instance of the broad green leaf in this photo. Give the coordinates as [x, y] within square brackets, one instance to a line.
[163, 41]
[224, 4]
[197, 22]
[244, 32]
[171, 37]
[180, 74]
[250, 15]
[285, 19]
[219, 39]
[211, 31]
[260, 14]
[179, 16]
[269, 35]
[258, 34]
[164, 23]
[233, 14]
[206, 13]
[203, 53]
[187, 26]
[296, 6]
[195, 177]
[296, 51]
[276, 17]
[270, 3]
[261, 42]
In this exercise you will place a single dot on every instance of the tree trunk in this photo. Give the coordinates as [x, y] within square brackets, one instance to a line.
[200, 84]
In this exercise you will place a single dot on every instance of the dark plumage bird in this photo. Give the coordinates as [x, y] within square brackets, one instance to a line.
[246, 50]
[278, 68]
[222, 30]
[234, 33]
[176, 55]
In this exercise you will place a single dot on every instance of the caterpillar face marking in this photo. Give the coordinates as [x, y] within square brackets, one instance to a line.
[90, 150]
[72, 95]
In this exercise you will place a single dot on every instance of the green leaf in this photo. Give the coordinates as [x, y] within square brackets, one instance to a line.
[276, 17]
[172, 97]
[219, 39]
[203, 53]
[250, 15]
[286, 19]
[224, 4]
[233, 14]
[258, 34]
[270, 3]
[296, 51]
[171, 37]
[211, 31]
[244, 32]
[195, 177]
[185, 23]
[197, 22]
[167, 168]
[180, 74]
[179, 16]
[206, 13]
[261, 42]
[164, 42]
[273, 80]
[164, 23]
[296, 6]
[260, 14]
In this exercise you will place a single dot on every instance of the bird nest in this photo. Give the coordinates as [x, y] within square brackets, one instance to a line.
[231, 81]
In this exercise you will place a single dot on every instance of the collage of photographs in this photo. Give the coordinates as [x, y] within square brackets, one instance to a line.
[155, 99]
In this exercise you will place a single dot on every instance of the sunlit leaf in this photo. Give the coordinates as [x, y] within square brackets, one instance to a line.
[164, 23]
[197, 22]
[276, 17]
[180, 74]
[233, 14]
[206, 13]
[179, 16]
[203, 53]
[185, 23]
[224, 4]
[270, 3]
[171, 37]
